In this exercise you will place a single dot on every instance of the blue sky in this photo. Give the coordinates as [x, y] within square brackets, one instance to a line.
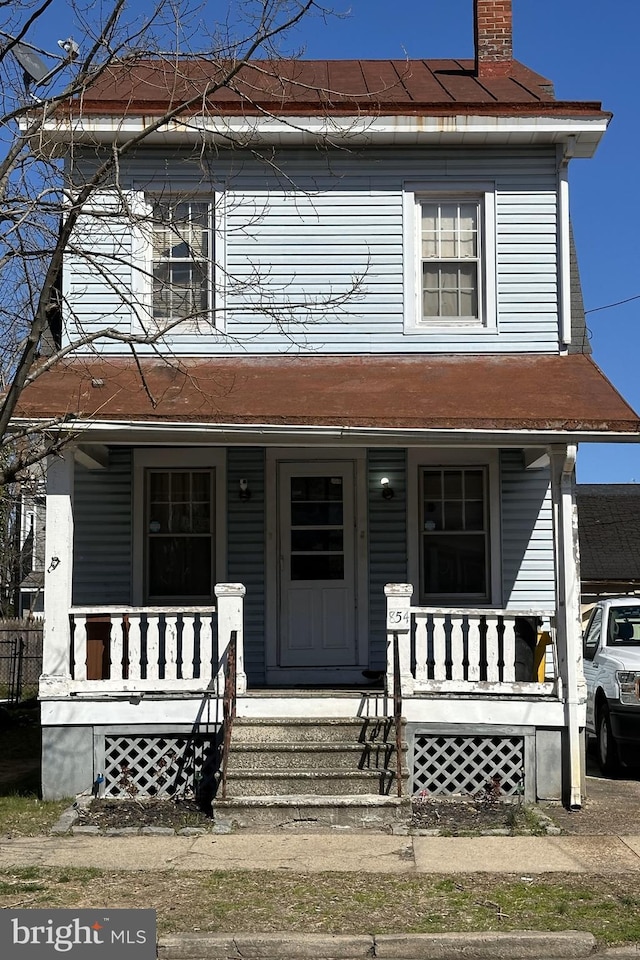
[589, 50]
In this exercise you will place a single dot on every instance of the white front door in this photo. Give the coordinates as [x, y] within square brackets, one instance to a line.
[317, 575]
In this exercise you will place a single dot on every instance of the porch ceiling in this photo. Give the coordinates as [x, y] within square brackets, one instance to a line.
[541, 393]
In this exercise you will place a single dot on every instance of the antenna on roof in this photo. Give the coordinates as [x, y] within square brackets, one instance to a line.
[35, 71]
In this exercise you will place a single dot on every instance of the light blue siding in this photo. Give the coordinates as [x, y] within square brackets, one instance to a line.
[527, 535]
[246, 550]
[102, 534]
[314, 254]
[387, 542]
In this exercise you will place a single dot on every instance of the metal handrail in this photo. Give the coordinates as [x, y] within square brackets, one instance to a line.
[397, 710]
[228, 707]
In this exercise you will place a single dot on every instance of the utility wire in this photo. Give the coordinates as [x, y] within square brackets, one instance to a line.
[608, 306]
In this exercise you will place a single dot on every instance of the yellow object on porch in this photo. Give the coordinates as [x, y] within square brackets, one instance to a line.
[539, 655]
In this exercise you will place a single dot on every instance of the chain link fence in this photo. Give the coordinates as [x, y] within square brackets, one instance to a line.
[20, 659]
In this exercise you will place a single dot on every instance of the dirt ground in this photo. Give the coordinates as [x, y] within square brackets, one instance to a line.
[612, 806]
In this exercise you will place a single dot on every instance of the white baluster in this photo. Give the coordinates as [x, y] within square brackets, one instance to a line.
[115, 647]
[493, 672]
[439, 648]
[135, 646]
[80, 637]
[153, 646]
[171, 647]
[422, 671]
[188, 631]
[473, 649]
[509, 647]
[206, 646]
[457, 649]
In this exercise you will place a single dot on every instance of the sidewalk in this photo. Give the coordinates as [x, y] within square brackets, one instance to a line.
[370, 853]
[326, 852]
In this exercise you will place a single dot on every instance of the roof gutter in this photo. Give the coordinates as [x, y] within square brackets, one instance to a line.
[455, 128]
[128, 431]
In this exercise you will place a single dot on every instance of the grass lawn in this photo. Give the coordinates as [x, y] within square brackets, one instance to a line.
[225, 902]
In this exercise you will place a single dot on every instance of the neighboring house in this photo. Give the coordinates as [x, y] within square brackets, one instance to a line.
[400, 464]
[32, 547]
[609, 534]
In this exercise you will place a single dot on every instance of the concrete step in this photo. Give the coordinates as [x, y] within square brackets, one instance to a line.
[313, 813]
[311, 729]
[306, 783]
[311, 756]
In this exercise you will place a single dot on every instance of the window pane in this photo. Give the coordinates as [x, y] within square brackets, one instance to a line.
[454, 564]
[453, 518]
[320, 567]
[452, 482]
[433, 515]
[181, 518]
[180, 487]
[432, 484]
[316, 514]
[179, 567]
[321, 539]
[474, 484]
[449, 304]
[474, 515]
[448, 217]
[201, 518]
[159, 486]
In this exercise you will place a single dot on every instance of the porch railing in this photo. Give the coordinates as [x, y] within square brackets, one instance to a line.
[463, 650]
[128, 648]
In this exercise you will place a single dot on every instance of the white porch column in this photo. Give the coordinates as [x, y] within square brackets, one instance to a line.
[568, 622]
[399, 621]
[58, 566]
[230, 603]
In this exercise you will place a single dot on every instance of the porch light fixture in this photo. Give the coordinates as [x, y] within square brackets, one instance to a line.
[388, 492]
[244, 492]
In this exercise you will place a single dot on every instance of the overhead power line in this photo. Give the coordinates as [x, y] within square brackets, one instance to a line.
[618, 303]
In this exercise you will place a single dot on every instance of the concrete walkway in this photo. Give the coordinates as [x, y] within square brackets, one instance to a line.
[365, 852]
[321, 852]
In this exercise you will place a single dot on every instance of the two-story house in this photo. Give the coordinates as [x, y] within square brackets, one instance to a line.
[359, 427]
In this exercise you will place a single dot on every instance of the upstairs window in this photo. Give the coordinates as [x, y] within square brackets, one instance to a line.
[450, 260]
[182, 259]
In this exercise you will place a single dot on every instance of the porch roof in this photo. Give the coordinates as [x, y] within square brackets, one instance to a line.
[539, 393]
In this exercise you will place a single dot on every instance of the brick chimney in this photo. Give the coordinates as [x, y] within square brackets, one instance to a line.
[493, 31]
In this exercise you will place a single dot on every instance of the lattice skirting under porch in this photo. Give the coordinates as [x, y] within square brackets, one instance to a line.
[444, 765]
[159, 765]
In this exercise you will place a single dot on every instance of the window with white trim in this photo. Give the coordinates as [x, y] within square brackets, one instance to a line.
[454, 533]
[450, 257]
[182, 258]
[179, 535]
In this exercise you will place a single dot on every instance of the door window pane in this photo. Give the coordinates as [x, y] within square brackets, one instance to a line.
[317, 535]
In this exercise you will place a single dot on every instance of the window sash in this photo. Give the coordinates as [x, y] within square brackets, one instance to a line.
[454, 533]
[182, 257]
[450, 259]
[179, 535]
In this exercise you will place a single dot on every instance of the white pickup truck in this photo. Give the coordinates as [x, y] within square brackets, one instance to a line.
[611, 649]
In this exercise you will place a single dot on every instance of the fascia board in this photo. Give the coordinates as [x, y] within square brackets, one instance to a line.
[356, 130]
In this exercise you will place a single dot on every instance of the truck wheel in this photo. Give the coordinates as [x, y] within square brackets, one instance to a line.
[607, 747]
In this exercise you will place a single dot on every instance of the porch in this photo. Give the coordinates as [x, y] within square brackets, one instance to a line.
[153, 685]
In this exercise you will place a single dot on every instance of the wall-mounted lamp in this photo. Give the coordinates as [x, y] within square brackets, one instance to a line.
[244, 492]
[387, 490]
